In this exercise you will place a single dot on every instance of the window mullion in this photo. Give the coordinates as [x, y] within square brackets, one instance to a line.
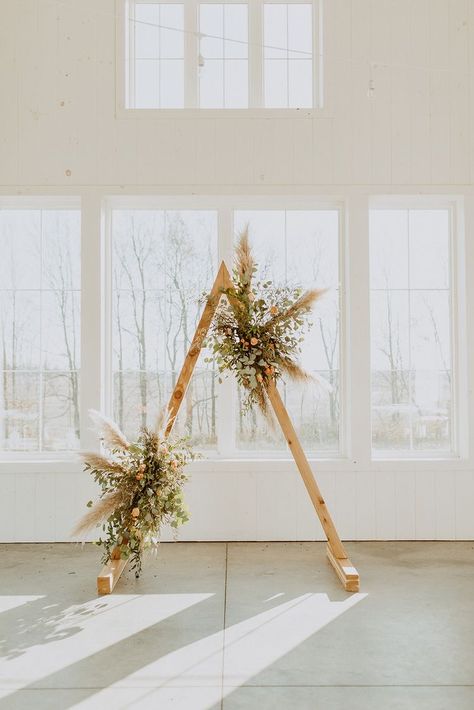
[191, 51]
[356, 338]
[255, 19]
[225, 423]
[91, 317]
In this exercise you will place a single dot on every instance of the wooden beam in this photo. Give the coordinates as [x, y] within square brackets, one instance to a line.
[190, 361]
[344, 570]
[110, 573]
[336, 552]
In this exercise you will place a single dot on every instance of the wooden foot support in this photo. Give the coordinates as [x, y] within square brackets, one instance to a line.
[110, 574]
[344, 570]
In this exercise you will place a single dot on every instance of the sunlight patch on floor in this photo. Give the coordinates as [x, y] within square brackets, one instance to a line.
[8, 602]
[56, 638]
[250, 646]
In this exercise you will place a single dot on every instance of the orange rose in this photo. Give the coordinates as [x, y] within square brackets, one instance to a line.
[139, 476]
[135, 512]
[273, 310]
[254, 341]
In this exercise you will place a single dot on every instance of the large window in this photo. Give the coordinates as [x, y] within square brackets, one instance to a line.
[301, 247]
[163, 261]
[412, 376]
[39, 329]
[221, 55]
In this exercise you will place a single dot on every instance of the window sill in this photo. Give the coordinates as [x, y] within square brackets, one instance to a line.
[219, 113]
[230, 466]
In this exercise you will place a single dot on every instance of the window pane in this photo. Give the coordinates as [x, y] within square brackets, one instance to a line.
[20, 400]
[171, 83]
[171, 31]
[157, 55]
[147, 93]
[163, 261]
[300, 247]
[288, 55]
[60, 413]
[147, 31]
[20, 235]
[411, 330]
[276, 83]
[40, 330]
[223, 70]
[211, 84]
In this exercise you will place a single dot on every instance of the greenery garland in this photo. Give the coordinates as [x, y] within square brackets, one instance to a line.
[141, 486]
[257, 331]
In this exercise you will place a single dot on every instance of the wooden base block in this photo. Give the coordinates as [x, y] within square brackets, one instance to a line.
[348, 574]
[110, 575]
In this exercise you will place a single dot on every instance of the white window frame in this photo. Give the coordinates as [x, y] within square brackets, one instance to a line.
[225, 207]
[459, 405]
[124, 65]
[50, 203]
[356, 462]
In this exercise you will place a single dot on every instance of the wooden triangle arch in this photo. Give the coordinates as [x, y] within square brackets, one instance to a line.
[335, 550]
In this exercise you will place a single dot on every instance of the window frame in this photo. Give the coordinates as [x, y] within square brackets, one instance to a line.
[357, 463]
[225, 208]
[458, 342]
[124, 65]
[59, 203]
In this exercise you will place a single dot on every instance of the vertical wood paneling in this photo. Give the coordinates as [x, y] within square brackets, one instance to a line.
[323, 165]
[25, 507]
[425, 506]
[464, 505]
[445, 505]
[45, 505]
[8, 520]
[345, 512]
[440, 125]
[405, 505]
[365, 506]
[385, 497]
[276, 506]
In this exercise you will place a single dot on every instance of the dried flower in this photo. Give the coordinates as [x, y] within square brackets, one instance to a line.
[257, 331]
[141, 491]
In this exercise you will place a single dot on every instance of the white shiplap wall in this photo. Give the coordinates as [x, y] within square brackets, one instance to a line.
[398, 117]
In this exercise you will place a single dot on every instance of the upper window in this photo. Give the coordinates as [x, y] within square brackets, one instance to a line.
[412, 378]
[39, 329]
[221, 54]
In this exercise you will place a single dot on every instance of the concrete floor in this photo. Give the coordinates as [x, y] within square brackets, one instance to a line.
[239, 625]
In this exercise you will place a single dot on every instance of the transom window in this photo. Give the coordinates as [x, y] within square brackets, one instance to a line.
[221, 55]
[411, 324]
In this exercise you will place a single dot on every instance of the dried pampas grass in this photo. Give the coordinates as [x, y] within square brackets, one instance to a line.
[109, 432]
[97, 461]
[98, 513]
[244, 261]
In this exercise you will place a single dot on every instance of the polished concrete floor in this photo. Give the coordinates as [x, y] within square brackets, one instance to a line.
[239, 625]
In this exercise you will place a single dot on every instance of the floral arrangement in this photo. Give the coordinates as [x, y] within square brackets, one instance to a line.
[141, 486]
[257, 332]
